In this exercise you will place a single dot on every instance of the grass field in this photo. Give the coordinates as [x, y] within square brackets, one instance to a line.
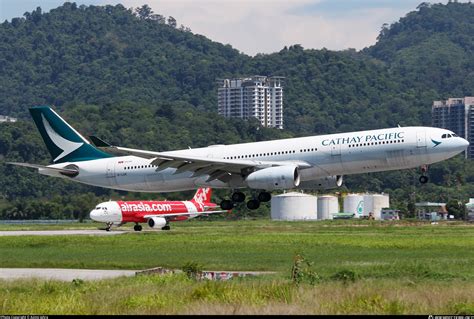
[400, 267]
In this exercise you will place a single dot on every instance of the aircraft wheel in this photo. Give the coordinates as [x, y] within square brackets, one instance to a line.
[253, 204]
[238, 197]
[423, 179]
[137, 227]
[167, 227]
[107, 229]
[264, 197]
[227, 204]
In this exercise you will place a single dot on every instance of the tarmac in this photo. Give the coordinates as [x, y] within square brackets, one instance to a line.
[62, 274]
[95, 232]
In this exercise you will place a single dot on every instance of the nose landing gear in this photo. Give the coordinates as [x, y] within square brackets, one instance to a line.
[423, 178]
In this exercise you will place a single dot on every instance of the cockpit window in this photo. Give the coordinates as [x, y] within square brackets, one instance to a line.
[455, 135]
[444, 135]
[98, 207]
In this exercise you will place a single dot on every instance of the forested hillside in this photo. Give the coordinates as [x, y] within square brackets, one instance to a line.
[136, 79]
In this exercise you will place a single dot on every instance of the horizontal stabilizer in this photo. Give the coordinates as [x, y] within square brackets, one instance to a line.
[64, 171]
[187, 214]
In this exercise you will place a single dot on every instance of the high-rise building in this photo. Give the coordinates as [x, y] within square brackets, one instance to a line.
[258, 96]
[457, 115]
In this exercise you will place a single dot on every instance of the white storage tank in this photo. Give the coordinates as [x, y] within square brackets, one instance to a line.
[328, 205]
[294, 206]
[354, 204]
[373, 203]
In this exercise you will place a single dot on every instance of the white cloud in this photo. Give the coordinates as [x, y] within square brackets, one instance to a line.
[266, 26]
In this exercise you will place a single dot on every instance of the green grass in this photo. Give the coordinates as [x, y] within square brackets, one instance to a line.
[371, 249]
[176, 294]
[362, 267]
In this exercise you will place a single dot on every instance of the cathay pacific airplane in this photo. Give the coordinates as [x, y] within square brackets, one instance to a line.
[314, 162]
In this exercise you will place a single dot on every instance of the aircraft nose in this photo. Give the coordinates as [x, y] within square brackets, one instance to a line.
[465, 142]
[94, 215]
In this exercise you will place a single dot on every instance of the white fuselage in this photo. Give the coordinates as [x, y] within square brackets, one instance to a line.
[329, 155]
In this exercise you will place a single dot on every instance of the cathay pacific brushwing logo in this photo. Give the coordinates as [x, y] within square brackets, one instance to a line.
[436, 143]
[67, 146]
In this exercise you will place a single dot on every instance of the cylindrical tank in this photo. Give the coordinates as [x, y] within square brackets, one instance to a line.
[373, 203]
[328, 205]
[354, 204]
[294, 206]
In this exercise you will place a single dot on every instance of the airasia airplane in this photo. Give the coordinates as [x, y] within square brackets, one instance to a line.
[157, 214]
[313, 162]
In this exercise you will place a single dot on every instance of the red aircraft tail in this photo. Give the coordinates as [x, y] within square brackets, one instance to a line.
[202, 196]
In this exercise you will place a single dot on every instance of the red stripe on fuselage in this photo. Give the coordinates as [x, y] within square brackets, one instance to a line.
[135, 210]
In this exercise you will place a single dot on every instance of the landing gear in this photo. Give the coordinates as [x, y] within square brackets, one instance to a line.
[253, 204]
[227, 204]
[137, 227]
[108, 226]
[264, 197]
[166, 227]
[423, 178]
[238, 197]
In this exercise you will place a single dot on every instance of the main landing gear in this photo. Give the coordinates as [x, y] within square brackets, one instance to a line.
[137, 227]
[239, 197]
[423, 178]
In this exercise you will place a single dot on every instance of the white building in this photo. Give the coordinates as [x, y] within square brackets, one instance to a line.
[4, 118]
[258, 96]
[457, 115]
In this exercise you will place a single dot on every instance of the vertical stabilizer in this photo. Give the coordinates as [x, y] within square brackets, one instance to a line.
[202, 196]
[64, 143]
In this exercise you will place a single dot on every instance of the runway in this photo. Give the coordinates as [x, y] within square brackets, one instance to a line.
[62, 274]
[94, 232]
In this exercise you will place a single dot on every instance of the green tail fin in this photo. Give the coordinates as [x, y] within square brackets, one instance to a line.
[64, 143]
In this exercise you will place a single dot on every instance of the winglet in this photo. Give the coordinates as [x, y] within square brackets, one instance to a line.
[98, 142]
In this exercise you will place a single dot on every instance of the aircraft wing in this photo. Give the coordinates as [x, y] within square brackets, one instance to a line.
[216, 168]
[64, 171]
[186, 214]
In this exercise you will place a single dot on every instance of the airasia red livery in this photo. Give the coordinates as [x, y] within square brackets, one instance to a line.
[157, 214]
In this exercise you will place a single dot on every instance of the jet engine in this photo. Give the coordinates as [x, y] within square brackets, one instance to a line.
[327, 182]
[278, 177]
[156, 222]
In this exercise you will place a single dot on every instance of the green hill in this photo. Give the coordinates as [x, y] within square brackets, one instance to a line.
[136, 79]
[431, 49]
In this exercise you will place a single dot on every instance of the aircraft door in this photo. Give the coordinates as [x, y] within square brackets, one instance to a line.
[336, 159]
[421, 139]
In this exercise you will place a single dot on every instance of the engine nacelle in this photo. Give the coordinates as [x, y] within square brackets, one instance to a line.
[279, 177]
[327, 182]
[156, 222]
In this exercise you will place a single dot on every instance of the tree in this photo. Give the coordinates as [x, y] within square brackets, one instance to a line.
[172, 22]
[144, 12]
[456, 208]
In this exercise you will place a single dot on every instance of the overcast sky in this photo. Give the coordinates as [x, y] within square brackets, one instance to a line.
[263, 26]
